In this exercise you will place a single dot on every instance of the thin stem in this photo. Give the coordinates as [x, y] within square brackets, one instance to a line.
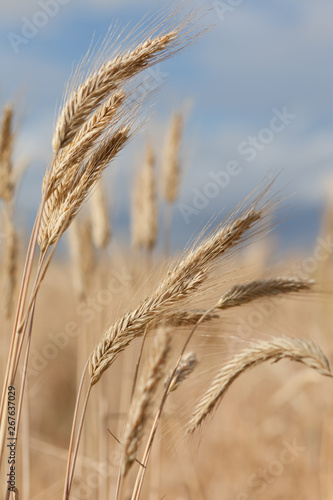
[138, 364]
[118, 486]
[69, 469]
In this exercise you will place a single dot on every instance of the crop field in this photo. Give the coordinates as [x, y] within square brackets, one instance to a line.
[131, 371]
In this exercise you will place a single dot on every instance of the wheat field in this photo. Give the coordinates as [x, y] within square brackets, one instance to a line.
[129, 372]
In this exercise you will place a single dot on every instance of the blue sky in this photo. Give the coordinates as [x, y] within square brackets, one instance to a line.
[262, 58]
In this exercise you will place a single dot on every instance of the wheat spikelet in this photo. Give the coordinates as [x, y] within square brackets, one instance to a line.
[10, 266]
[301, 350]
[6, 146]
[101, 229]
[63, 204]
[171, 165]
[139, 409]
[248, 292]
[186, 366]
[183, 281]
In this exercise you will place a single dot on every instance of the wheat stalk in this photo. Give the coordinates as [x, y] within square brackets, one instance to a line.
[301, 350]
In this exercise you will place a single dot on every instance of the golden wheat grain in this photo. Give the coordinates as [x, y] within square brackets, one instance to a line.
[139, 409]
[301, 350]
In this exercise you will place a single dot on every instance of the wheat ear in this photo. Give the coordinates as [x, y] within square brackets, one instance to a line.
[149, 204]
[63, 205]
[139, 409]
[6, 146]
[183, 281]
[170, 35]
[92, 131]
[171, 162]
[301, 350]
[83, 258]
[260, 289]
[101, 228]
[10, 266]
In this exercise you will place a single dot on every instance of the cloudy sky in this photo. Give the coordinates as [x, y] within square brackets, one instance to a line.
[257, 92]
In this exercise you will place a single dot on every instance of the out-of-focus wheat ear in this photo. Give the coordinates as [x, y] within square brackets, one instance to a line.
[9, 265]
[171, 160]
[260, 289]
[301, 350]
[171, 174]
[6, 147]
[83, 258]
[186, 366]
[149, 203]
[137, 204]
[101, 227]
[143, 397]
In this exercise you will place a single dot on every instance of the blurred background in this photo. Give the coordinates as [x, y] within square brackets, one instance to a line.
[262, 60]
